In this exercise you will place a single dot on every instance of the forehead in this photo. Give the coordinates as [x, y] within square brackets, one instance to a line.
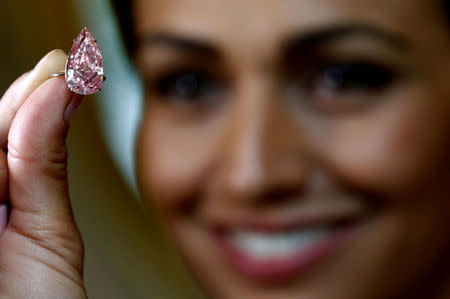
[244, 17]
[257, 26]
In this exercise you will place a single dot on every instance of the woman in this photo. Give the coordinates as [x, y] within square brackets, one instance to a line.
[295, 149]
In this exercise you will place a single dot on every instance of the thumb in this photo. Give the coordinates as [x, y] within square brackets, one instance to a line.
[37, 159]
[37, 153]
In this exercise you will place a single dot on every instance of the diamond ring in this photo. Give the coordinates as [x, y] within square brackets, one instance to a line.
[84, 66]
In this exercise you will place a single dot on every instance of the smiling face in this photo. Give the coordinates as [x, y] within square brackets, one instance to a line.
[298, 149]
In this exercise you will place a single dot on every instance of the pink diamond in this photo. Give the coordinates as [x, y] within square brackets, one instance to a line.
[84, 69]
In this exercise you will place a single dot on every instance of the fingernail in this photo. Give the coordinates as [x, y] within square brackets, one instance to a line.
[74, 103]
[49, 56]
[3, 217]
[51, 63]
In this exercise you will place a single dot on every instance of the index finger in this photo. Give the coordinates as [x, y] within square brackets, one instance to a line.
[20, 90]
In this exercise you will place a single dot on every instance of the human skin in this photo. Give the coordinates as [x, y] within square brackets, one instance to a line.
[41, 250]
[257, 132]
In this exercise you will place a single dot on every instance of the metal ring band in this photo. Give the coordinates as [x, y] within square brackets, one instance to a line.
[59, 74]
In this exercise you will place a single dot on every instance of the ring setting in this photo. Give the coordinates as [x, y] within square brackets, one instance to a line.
[84, 67]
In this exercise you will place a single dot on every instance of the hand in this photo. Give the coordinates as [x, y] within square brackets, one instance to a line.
[41, 250]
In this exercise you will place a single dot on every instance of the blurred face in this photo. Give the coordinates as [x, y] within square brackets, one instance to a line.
[299, 148]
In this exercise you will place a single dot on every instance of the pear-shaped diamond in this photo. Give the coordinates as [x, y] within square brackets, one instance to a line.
[84, 69]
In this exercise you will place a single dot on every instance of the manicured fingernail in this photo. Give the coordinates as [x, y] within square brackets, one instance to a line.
[3, 217]
[51, 63]
[74, 103]
[50, 57]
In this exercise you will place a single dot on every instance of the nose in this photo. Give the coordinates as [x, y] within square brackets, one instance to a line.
[265, 152]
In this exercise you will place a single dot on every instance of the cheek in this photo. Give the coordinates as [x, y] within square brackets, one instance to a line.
[393, 147]
[174, 160]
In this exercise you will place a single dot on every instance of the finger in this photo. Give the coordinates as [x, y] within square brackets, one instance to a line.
[8, 114]
[3, 178]
[14, 87]
[3, 217]
[20, 90]
[37, 153]
[3, 191]
[37, 158]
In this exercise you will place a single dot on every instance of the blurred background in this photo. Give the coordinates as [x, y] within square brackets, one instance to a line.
[126, 255]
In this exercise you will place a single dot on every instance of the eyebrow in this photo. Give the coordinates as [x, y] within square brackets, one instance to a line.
[306, 41]
[174, 41]
[301, 41]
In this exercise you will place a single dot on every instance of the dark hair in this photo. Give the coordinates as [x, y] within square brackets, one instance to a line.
[447, 10]
[125, 17]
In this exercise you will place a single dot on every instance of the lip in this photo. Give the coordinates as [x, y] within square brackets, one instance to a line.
[294, 264]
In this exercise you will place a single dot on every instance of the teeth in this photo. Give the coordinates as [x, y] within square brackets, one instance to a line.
[277, 245]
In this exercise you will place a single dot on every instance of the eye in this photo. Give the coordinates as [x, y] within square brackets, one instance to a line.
[338, 87]
[351, 77]
[188, 85]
